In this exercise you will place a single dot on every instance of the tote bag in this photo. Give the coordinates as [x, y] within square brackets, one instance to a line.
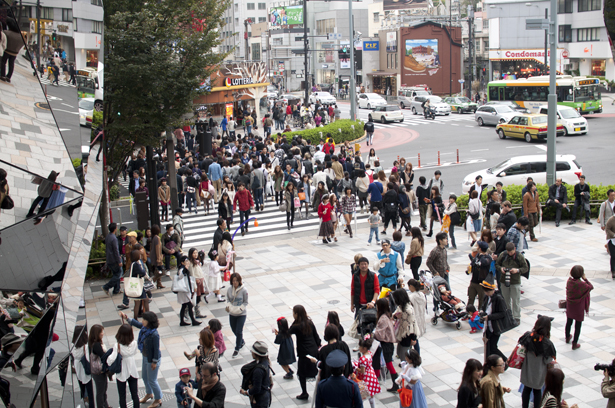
[180, 284]
[133, 287]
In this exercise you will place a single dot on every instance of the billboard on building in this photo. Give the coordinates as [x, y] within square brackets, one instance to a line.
[421, 57]
[392, 41]
[405, 4]
[285, 16]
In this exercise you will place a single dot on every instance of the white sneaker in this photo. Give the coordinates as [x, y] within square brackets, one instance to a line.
[378, 242]
[168, 273]
[369, 244]
[362, 210]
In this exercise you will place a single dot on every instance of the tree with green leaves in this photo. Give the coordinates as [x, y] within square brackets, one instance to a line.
[157, 55]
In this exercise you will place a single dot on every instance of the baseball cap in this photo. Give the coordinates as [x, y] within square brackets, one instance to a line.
[184, 371]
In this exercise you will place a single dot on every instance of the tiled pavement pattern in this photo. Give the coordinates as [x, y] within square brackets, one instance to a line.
[301, 270]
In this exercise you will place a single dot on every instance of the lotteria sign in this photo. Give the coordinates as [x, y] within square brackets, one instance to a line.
[228, 82]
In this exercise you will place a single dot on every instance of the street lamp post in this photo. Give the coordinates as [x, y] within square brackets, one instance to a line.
[353, 91]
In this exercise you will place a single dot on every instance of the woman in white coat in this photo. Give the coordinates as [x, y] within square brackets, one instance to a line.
[80, 340]
[419, 303]
[126, 346]
[407, 331]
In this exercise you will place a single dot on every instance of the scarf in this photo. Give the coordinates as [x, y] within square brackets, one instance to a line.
[143, 334]
[577, 293]
[538, 344]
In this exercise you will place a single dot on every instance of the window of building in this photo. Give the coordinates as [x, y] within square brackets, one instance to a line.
[487, 45]
[262, 19]
[598, 67]
[396, 61]
[564, 6]
[75, 24]
[250, 6]
[589, 5]
[587, 34]
[485, 24]
[256, 52]
[46, 13]
[277, 41]
[262, 6]
[97, 27]
[324, 27]
[565, 33]
[376, 17]
[236, 20]
[97, 2]
[236, 7]
[67, 15]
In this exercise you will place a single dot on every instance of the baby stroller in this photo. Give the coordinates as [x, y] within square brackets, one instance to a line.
[446, 306]
[367, 321]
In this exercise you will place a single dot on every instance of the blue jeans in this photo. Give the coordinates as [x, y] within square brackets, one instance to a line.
[248, 130]
[258, 196]
[236, 323]
[371, 233]
[190, 200]
[114, 282]
[268, 130]
[150, 378]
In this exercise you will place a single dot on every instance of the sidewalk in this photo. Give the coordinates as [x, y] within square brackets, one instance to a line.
[302, 270]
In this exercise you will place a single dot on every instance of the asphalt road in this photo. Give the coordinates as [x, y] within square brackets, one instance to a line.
[480, 148]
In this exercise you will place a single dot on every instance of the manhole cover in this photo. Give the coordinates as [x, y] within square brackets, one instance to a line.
[333, 302]
[42, 105]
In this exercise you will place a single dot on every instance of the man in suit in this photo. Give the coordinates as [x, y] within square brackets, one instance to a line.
[581, 198]
[607, 209]
[558, 198]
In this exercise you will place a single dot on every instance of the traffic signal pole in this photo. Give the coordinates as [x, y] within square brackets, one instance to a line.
[305, 55]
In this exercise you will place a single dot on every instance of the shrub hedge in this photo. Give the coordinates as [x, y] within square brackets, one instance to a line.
[347, 133]
[513, 194]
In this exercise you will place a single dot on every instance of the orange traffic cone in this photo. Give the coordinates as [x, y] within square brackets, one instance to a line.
[255, 222]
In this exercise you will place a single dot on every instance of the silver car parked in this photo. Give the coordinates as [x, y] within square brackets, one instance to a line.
[493, 114]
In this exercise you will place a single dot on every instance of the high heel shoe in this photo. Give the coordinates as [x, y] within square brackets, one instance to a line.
[156, 404]
[146, 398]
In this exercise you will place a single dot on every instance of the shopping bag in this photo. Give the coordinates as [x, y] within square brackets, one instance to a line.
[517, 357]
[446, 224]
[133, 287]
[301, 196]
[180, 284]
[405, 395]
[353, 332]
[227, 276]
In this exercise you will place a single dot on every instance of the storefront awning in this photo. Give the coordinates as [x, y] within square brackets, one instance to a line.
[382, 73]
[230, 88]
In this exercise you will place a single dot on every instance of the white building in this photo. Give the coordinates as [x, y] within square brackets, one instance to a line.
[582, 39]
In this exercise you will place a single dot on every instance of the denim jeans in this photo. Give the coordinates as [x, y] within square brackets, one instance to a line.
[371, 233]
[190, 200]
[248, 130]
[236, 323]
[258, 197]
[114, 282]
[243, 215]
[150, 378]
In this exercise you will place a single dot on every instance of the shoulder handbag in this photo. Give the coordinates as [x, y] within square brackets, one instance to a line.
[517, 357]
[283, 206]
[562, 304]
[133, 287]
[301, 196]
[116, 366]
[96, 365]
[7, 203]
[508, 322]
[85, 363]
[148, 284]
[180, 284]
[455, 218]
[405, 395]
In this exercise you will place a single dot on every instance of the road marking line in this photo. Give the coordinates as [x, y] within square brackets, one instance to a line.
[469, 126]
[517, 147]
[454, 124]
[541, 147]
[65, 104]
[479, 150]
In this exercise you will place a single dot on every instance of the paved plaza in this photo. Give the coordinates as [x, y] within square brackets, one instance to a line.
[302, 270]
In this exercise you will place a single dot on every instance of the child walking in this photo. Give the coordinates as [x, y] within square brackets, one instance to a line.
[183, 401]
[374, 222]
[214, 279]
[474, 320]
[286, 354]
[326, 226]
[411, 375]
[365, 372]
[216, 328]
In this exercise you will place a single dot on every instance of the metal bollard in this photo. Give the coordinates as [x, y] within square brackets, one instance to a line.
[438, 157]
[419, 166]
[458, 156]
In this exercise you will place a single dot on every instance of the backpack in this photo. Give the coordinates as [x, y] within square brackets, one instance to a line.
[247, 371]
[390, 207]
[256, 181]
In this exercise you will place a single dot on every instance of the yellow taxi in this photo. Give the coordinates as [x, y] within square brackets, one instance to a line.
[530, 127]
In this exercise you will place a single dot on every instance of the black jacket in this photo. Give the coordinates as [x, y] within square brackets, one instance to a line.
[509, 219]
[498, 311]
[578, 189]
[563, 190]
[214, 397]
[500, 243]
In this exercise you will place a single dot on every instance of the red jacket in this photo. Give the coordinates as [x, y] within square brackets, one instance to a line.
[327, 148]
[244, 198]
[321, 208]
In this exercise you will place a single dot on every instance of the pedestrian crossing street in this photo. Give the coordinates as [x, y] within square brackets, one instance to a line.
[61, 81]
[199, 228]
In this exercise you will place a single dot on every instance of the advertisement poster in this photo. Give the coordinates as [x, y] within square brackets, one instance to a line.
[229, 109]
[392, 41]
[405, 4]
[344, 63]
[284, 16]
[421, 57]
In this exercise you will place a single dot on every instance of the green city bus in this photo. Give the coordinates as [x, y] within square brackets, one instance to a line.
[580, 93]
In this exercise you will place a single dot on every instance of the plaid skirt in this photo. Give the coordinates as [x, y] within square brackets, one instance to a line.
[326, 229]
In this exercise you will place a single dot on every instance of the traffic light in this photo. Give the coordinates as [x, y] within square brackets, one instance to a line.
[54, 36]
[344, 53]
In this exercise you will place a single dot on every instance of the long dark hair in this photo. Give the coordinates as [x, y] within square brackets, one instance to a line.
[542, 327]
[467, 378]
[124, 335]
[400, 296]
[3, 181]
[193, 261]
[302, 320]
[554, 384]
[95, 335]
[80, 336]
[383, 308]
[416, 233]
[492, 361]
[283, 328]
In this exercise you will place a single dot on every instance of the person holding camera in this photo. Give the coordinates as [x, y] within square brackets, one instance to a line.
[493, 313]
[578, 291]
[510, 266]
[608, 384]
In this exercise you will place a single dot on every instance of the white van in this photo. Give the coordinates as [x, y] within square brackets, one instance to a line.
[574, 123]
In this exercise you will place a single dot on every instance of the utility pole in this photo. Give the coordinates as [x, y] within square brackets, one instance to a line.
[305, 55]
[552, 107]
[450, 48]
[470, 48]
[38, 34]
[172, 178]
[546, 41]
[245, 36]
[353, 91]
